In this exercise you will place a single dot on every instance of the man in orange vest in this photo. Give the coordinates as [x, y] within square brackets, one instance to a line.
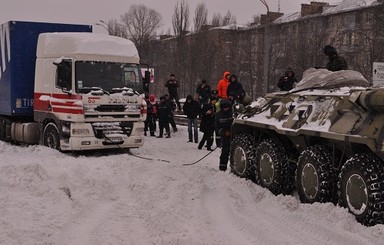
[223, 85]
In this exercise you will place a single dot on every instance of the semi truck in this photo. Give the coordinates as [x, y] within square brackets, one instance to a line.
[67, 88]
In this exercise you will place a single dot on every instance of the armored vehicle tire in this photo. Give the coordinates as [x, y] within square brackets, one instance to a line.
[242, 155]
[272, 169]
[361, 188]
[51, 136]
[316, 179]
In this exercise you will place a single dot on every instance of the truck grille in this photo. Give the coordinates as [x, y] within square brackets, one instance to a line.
[101, 129]
[110, 108]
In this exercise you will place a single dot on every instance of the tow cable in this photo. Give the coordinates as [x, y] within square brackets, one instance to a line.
[128, 151]
[189, 164]
[158, 159]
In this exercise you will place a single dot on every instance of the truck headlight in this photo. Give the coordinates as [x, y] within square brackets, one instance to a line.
[80, 131]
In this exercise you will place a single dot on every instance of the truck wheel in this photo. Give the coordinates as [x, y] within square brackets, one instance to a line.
[51, 136]
[272, 168]
[316, 179]
[361, 188]
[242, 155]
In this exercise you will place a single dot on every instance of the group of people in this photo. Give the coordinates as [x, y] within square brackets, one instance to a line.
[214, 107]
[161, 111]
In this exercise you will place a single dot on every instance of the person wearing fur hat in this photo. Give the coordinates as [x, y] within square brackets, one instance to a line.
[335, 61]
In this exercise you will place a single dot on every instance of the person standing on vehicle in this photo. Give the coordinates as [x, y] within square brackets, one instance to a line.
[223, 123]
[235, 90]
[163, 112]
[288, 81]
[203, 92]
[335, 61]
[172, 84]
[207, 124]
[223, 85]
[191, 108]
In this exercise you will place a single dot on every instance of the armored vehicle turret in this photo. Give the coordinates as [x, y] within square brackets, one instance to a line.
[324, 138]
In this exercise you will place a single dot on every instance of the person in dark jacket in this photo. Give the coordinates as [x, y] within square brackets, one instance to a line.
[171, 119]
[191, 108]
[235, 90]
[335, 61]
[203, 92]
[207, 124]
[223, 123]
[288, 81]
[172, 84]
[150, 123]
[163, 111]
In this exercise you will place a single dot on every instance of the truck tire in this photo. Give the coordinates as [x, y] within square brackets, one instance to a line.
[315, 177]
[361, 188]
[242, 155]
[272, 169]
[51, 136]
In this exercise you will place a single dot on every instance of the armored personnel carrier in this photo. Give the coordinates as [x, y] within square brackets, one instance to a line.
[324, 138]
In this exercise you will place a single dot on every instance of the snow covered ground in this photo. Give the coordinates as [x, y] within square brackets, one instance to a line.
[48, 197]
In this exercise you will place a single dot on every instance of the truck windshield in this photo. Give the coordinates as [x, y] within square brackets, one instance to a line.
[107, 76]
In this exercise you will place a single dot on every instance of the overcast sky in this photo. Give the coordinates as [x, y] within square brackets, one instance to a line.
[90, 11]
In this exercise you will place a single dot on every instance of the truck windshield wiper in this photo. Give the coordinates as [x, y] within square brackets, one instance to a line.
[125, 90]
[94, 89]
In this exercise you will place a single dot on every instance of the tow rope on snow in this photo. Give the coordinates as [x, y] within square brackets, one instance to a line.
[130, 153]
[189, 164]
[146, 158]
[158, 159]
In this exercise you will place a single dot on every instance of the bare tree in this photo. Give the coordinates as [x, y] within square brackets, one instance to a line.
[117, 29]
[141, 23]
[228, 19]
[255, 19]
[180, 19]
[201, 16]
[216, 19]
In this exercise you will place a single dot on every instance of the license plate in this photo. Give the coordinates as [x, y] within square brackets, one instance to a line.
[114, 139]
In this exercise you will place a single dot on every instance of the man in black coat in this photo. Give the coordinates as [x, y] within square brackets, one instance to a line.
[287, 81]
[207, 124]
[203, 92]
[223, 123]
[172, 84]
[235, 90]
[191, 108]
[335, 61]
[163, 111]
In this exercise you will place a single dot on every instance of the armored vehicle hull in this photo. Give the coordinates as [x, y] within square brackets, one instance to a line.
[325, 138]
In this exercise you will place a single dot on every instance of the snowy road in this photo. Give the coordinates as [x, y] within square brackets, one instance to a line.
[47, 197]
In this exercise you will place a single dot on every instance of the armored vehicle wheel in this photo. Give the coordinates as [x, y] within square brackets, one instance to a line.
[272, 168]
[242, 155]
[361, 188]
[316, 179]
[51, 136]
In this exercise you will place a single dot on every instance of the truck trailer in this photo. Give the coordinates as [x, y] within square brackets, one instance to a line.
[67, 88]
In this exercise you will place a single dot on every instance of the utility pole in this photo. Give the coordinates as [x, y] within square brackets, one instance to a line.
[103, 24]
[266, 51]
